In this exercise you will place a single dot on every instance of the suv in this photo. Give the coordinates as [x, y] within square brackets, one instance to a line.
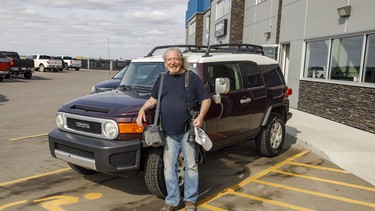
[99, 133]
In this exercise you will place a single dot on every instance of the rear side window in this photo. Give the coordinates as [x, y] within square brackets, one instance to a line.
[252, 75]
[273, 77]
[225, 70]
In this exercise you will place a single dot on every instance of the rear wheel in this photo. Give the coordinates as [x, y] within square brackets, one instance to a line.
[41, 68]
[77, 68]
[271, 138]
[27, 75]
[81, 170]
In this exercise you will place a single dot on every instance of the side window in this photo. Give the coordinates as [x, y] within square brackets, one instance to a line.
[221, 70]
[252, 73]
[272, 77]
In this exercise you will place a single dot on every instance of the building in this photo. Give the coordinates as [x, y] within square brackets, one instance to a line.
[325, 48]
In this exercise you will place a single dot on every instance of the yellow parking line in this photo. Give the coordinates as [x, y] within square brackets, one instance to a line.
[250, 179]
[319, 167]
[27, 137]
[278, 203]
[325, 180]
[33, 177]
[272, 168]
[210, 207]
[353, 201]
[3, 207]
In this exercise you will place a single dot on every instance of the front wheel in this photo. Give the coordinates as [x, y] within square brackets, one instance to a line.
[271, 138]
[154, 175]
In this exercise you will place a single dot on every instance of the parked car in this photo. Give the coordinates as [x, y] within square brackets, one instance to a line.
[109, 84]
[60, 65]
[4, 68]
[99, 133]
[70, 62]
[44, 62]
[17, 65]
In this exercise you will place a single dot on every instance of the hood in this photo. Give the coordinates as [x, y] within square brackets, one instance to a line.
[110, 83]
[113, 104]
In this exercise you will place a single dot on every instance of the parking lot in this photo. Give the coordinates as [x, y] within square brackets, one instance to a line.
[233, 178]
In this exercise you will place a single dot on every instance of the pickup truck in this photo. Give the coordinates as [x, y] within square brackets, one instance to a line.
[16, 65]
[4, 69]
[44, 62]
[70, 62]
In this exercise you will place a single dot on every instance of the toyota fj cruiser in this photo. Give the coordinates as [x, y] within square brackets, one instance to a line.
[98, 133]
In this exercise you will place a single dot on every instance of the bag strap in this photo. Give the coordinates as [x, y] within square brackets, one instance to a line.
[187, 81]
[157, 110]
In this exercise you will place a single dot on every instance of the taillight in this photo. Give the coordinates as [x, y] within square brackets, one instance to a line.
[130, 127]
[11, 63]
[288, 92]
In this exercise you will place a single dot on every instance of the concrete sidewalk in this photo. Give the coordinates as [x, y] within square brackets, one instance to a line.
[349, 148]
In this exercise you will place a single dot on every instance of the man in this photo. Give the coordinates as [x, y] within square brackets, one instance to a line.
[175, 116]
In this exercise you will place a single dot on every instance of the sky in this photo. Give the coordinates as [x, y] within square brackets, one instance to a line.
[115, 29]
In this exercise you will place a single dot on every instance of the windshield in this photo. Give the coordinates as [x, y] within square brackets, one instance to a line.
[142, 74]
[120, 73]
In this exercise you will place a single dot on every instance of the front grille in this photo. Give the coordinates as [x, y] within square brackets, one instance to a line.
[75, 151]
[84, 126]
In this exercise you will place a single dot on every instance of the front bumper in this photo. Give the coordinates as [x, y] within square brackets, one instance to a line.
[105, 156]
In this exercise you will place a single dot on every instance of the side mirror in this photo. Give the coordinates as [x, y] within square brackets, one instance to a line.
[222, 86]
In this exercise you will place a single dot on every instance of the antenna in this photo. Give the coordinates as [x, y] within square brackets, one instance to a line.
[109, 60]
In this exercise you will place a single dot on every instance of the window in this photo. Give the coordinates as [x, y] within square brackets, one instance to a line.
[252, 75]
[341, 59]
[223, 7]
[369, 67]
[346, 58]
[192, 28]
[316, 59]
[231, 71]
[207, 23]
[273, 77]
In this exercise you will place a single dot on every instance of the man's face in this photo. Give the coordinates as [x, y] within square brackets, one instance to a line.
[173, 62]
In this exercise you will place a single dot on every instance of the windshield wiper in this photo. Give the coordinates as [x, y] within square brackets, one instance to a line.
[124, 88]
[141, 88]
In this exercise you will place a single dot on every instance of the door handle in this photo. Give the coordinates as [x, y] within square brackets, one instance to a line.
[246, 100]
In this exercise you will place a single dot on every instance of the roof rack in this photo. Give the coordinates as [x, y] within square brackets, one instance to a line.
[189, 48]
[235, 48]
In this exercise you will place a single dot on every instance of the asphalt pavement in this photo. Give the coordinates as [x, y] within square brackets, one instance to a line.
[349, 148]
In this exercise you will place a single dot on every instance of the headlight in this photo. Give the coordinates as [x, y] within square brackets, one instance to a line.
[59, 120]
[110, 130]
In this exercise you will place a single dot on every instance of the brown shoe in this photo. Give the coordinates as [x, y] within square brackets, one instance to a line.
[190, 206]
[168, 208]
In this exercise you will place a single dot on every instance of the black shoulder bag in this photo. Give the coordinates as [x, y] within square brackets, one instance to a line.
[154, 134]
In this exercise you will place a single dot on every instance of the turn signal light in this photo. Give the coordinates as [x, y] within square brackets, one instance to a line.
[130, 127]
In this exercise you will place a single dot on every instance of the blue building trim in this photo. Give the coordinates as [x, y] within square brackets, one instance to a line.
[194, 7]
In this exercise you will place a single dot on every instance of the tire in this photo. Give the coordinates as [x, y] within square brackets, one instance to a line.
[1, 78]
[271, 137]
[66, 67]
[41, 68]
[55, 70]
[27, 75]
[81, 170]
[77, 68]
[154, 175]
[7, 76]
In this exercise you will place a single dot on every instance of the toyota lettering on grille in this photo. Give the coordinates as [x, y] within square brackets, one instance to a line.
[82, 125]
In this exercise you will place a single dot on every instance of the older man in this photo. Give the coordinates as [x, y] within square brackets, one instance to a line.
[176, 103]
